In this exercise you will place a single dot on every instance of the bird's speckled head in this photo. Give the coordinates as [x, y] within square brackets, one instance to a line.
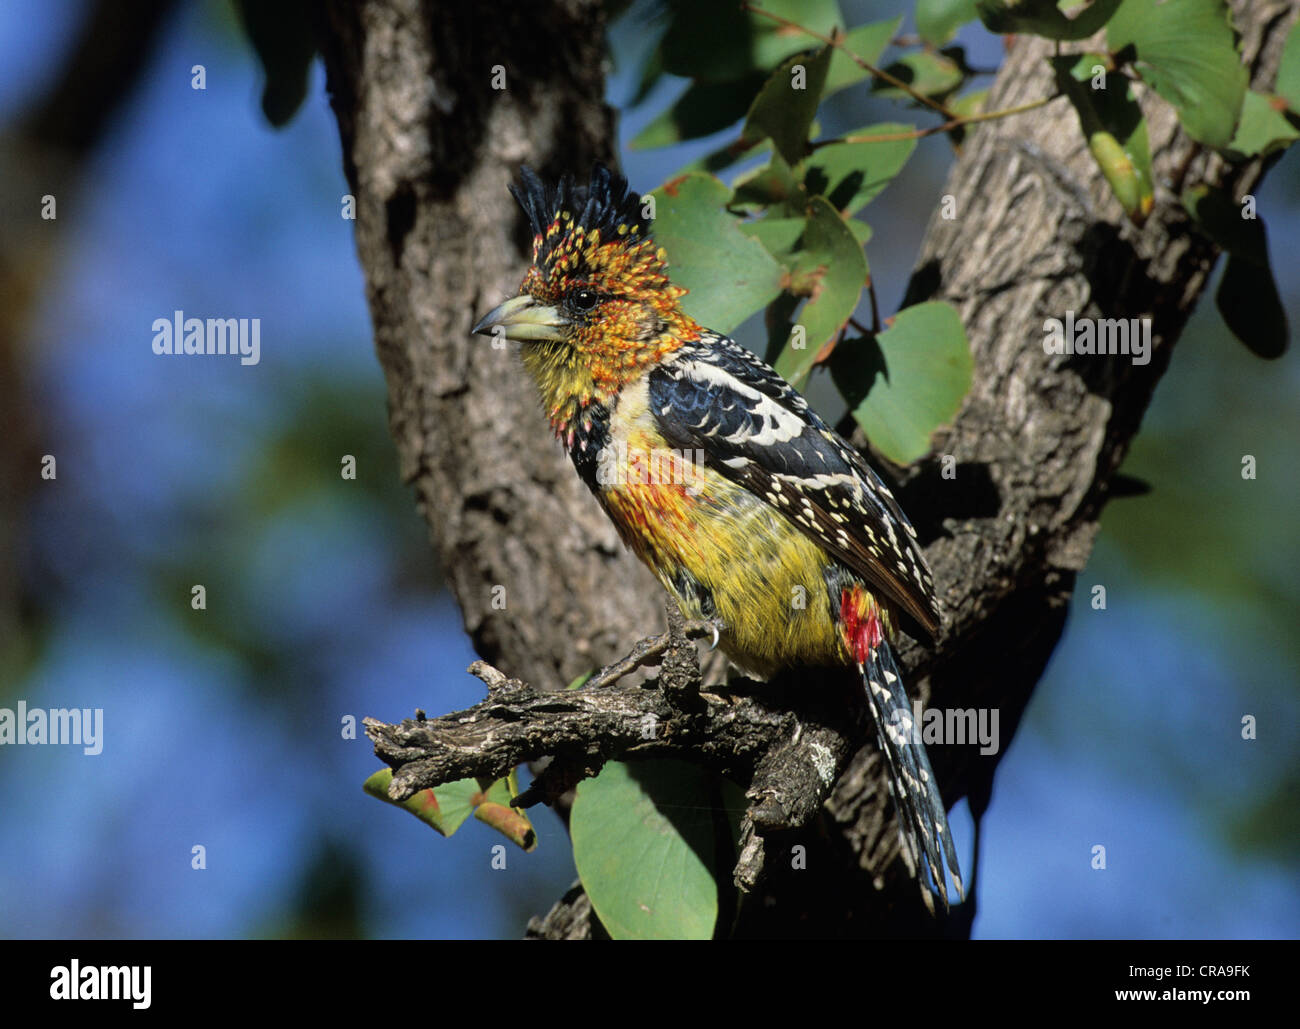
[596, 307]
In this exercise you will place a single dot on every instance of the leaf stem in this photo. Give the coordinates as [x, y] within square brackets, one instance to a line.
[948, 126]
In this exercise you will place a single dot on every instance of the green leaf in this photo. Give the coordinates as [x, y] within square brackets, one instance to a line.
[281, 33]
[778, 235]
[705, 108]
[938, 20]
[1232, 226]
[1288, 70]
[964, 106]
[652, 72]
[911, 381]
[772, 185]
[1185, 51]
[930, 74]
[829, 269]
[1248, 299]
[1044, 18]
[729, 275]
[730, 67]
[861, 231]
[494, 810]
[850, 175]
[969, 103]
[1247, 296]
[1264, 127]
[717, 41]
[444, 808]
[785, 107]
[500, 791]
[456, 800]
[644, 842]
[867, 42]
[1114, 127]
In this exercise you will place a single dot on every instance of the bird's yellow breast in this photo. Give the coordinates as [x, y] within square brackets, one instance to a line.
[721, 551]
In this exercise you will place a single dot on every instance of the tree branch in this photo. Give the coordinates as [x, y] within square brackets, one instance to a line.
[789, 743]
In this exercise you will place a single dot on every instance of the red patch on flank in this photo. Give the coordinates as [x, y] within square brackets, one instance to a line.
[863, 632]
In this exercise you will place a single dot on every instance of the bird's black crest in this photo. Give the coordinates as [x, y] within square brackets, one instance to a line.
[604, 203]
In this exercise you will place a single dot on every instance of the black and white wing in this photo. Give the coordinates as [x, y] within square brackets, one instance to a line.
[756, 429]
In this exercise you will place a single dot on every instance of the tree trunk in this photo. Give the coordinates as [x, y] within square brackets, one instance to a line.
[429, 147]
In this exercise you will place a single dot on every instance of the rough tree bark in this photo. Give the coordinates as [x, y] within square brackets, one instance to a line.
[429, 147]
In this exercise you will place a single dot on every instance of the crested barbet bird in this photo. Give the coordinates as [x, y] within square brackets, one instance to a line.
[750, 510]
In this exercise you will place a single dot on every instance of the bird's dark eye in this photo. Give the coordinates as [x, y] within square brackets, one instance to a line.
[582, 299]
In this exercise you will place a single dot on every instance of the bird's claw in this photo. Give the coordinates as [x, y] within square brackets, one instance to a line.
[715, 625]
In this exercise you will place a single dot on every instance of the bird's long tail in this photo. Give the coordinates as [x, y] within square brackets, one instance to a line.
[922, 818]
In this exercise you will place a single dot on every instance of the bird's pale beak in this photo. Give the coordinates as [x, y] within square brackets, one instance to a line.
[523, 318]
